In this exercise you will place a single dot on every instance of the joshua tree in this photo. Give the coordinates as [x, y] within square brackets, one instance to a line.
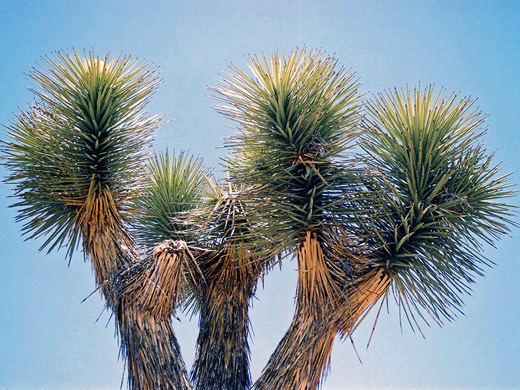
[76, 157]
[407, 217]
[388, 196]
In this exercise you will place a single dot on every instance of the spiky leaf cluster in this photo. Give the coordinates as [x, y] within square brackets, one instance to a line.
[85, 134]
[438, 196]
[296, 117]
[172, 186]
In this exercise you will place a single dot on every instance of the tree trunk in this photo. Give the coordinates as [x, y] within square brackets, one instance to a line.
[301, 360]
[222, 358]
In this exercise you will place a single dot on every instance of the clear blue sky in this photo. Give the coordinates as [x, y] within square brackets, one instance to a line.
[50, 340]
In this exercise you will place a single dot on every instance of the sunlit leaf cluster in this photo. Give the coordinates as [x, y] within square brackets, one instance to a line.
[172, 185]
[86, 133]
[296, 117]
[438, 197]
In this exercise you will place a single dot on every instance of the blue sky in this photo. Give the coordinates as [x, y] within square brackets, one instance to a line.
[49, 339]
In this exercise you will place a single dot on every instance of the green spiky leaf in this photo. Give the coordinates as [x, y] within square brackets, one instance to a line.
[85, 134]
[297, 116]
[174, 185]
[438, 196]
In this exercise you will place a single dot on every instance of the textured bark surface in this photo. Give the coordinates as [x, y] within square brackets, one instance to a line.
[223, 356]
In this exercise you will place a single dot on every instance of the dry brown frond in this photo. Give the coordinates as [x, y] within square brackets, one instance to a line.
[330, 301]
[158, 284]
[105, 240]
[361, 298]
[317, 277]
[302, 358]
